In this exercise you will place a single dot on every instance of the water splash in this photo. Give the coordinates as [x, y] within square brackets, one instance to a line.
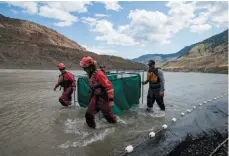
[88, 140]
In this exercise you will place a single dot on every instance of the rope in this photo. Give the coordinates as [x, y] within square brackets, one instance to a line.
[148, 138]
[169, 124]
[218, 147]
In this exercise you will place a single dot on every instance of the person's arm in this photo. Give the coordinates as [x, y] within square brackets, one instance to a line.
[145, 82]
[162, 80]
[72, 77]
[103, 81]
[60, 79]
[147, 79]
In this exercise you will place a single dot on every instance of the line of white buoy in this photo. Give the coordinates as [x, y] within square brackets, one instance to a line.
[130, 148]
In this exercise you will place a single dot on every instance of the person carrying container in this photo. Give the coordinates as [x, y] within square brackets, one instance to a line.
[102, 98]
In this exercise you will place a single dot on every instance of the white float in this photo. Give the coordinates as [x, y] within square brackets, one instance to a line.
[174, 119]
[151, 134]
[165, 126]
[129, 148]
[182, 114]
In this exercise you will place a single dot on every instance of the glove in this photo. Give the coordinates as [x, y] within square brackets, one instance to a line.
[161, 94]
[143, 83]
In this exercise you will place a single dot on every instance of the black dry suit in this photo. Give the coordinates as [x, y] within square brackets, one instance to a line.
[156, 85]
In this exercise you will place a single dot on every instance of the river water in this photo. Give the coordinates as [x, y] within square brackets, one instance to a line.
[32, 122]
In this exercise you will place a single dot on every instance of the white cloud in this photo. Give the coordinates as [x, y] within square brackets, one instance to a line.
[217, 12]
[221, 18]
[180, 15]
[57, 10]
[29, 7]
[66, 18]
[99, 49]
[76, 6]
[181, 9]
[157, 27]
[89, 20]
[101, 15]
[200, 28]
[63, 24]
[147, 26]
[201, 19]
[103, 26]
[160, 38]
[62, 11]
[144, 26]
[117, 38]
[112, 5]
[107, 32]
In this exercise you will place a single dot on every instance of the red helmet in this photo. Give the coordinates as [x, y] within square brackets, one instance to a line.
[87, 61]
[61, 66]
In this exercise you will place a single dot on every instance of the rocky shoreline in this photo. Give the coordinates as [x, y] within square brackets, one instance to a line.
[202, 146]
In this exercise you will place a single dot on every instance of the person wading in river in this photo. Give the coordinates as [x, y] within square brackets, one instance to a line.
[155, 78]
[67, 81]
[102, 93]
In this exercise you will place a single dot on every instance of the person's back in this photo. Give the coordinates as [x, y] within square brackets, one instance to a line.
[66, 79]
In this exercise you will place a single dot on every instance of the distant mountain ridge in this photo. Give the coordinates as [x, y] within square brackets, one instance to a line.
[208, 55]
[160, 58]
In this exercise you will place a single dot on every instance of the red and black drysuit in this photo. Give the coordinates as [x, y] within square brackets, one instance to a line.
[67, 81]
[101, 99]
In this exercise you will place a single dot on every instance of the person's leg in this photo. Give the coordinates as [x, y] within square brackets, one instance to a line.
[70, 95]
[160, 100]
[90, 113]
[150, 99]
[107, 111]
[64, 99]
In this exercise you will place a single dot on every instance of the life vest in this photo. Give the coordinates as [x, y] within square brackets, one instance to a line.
[153, 78]
[98, 89]
[67, 80]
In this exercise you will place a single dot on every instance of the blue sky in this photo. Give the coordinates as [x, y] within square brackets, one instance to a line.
[124, 28]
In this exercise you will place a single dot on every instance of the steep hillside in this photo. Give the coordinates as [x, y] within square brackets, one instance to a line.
[13, 30]
[25, 44]
[210, 55]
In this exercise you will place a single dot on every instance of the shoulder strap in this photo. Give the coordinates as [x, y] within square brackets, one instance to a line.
[155, 71]
[94, 74]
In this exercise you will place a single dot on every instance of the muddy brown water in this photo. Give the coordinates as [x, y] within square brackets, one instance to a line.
[32, 122]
